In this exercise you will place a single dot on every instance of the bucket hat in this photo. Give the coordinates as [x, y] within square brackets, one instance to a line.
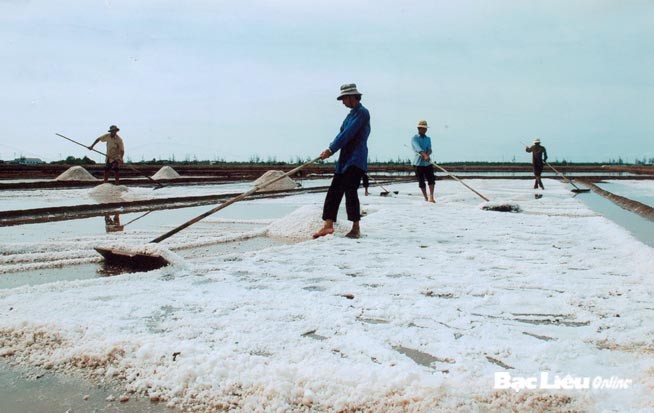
[536, 141]
[423, 124]
[348, 89]
[113, 128]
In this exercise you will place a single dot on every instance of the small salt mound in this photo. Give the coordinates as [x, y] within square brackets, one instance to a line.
[150, 249]
[108, 192]
[501, 206]
[166, 172]
[76, 173]
[301, 224]
[282, 184]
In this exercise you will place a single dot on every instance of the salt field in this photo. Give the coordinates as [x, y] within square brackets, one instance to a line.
[420, 314]
[171, 173]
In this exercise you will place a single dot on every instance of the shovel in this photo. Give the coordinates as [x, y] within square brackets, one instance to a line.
[508, 207]
[385, 191]
[577, 190]
[158, 185]
[145, 260]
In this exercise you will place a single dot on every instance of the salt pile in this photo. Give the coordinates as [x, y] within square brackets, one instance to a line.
[301, 224]
[501, 206]
[150, 249]
[76, 173]
[166, 172]
[282, 184]
[108, 192]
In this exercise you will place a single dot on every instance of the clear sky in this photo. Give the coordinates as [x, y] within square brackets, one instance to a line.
[237, 79]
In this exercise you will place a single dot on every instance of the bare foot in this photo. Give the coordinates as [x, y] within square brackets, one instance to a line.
[432, 201]
[354, 234]
[323, 231]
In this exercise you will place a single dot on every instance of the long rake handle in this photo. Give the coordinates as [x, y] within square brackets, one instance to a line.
[562, 176]
[139, 217]
[231, 201]
[377, 183]
[104, 154]
[80, 144]
[460, 181]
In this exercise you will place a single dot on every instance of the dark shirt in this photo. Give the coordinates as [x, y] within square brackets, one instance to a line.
[352, 140]
[538, 154]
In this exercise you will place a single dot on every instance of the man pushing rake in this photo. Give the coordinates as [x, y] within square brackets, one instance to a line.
[351, 166]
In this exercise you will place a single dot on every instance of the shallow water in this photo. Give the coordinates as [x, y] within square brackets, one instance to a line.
[639, 227]
[640, 191]
[545, 174]
[158, 221]
[39, 391]
[43, 198]
[89, 271]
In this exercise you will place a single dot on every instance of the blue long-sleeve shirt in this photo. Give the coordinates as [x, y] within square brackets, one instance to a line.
[352, 140]
[421, 144]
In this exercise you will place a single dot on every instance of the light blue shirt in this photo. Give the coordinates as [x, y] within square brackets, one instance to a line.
[352, 141]
[421, 144]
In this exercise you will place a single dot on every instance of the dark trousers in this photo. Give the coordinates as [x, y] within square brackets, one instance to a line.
[346, 184]
[425, 172]
[366, 181]
[538, 170]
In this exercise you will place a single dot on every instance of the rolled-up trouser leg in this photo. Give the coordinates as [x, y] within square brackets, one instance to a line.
[333, 198]
[429, 175]
[420, 175]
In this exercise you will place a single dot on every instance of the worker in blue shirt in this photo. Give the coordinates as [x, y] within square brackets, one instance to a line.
[421, 144]
[352, 163]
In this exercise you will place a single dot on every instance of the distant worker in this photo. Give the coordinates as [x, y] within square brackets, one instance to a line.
[115, 152]
[352, 163]
[538, 157]
[421, 144]
[113, 225]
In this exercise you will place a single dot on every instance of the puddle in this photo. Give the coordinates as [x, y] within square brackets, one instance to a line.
[314, 288]
[312, 334]
[33, 390]
[424, 359]
[373, 320]
[499, 363]
[555, 322]
[544, 338]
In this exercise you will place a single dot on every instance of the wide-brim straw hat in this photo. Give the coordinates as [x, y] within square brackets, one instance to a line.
[348, 89]
[423, 124]
[113, 128]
